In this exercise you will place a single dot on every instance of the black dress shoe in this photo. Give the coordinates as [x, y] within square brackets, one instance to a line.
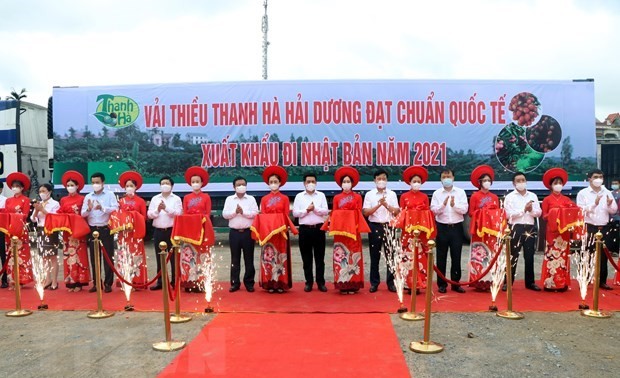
[233, 289]
[250, 289]
[604, 286]
[4, 285]
[107, 288]
[533, 287]
[458, 289]
[156, 287]
[373, 288]
[322, 287]
[93, 289]
[442, 289]
[308, 288]
[392, 288]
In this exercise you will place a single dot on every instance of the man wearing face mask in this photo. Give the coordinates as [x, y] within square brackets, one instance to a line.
[380, 206]
[97, 207]
[310, 206]
[522, 209]
[162, 210]
[240, 209]
[598, 204]
[449, 204]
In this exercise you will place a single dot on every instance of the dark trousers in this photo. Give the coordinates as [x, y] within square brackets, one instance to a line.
[377, 241]
[241, 242]
[524, 236]
[3, 257]
[163, 235]
[108, 246]
[612, 238]
[312, 245]
[591, 246]
[449, 237]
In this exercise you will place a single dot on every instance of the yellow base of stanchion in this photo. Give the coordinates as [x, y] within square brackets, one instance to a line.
[425, 347]
[18, 313]
[169, 346]
[596, 314]
[99, 314]
[411, 316]
[510, 315]
[180, 318]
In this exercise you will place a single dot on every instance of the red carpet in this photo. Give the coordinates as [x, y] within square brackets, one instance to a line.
[293, 345]
[297, 301]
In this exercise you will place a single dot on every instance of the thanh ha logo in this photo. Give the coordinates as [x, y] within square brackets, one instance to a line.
[116, 111]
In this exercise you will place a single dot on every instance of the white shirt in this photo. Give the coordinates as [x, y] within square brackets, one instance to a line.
[447, 214]
[51, 206]
[165, 218]
[596, 215]
[2, 201]
[371, 199]
[240, 221]
[301, 203]
[514, 204]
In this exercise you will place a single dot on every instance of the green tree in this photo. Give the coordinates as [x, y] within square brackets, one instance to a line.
[567, 152]
[17, 96]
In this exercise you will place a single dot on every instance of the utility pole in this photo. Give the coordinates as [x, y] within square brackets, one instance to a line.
[265, 28]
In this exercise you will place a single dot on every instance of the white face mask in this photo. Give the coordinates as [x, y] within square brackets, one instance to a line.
[416, 185]
[130, 190]
[346, 186]
[486, 184]
[196, 185]
[557, 188]
[274, 186]
[16, 190]
[71, 189]
[97, 187]
[597, 182]
[241, 189]
[44, 196]
[165, 188]
[521, 186]
[311, 187]
[381, 184]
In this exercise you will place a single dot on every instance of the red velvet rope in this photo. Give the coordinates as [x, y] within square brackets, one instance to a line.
[611, 258]
[172, 293]
[136, 286]
[488, 269]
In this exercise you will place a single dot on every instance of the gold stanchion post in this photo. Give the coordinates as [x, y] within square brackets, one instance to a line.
[427, 346]
[100, 313]
[509, 314]
[595, 312]
[169, 345]
[412, 315]
[18, 312]
[177, 317]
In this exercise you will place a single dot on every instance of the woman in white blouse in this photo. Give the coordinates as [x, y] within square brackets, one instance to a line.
[48, 244]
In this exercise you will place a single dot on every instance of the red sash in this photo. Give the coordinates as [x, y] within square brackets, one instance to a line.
[266, 226]
[194, 229]
[565, 218]
[127, 220]
[421, 220]
[488, 221]
[12, 224]
[346, 223]
[74, 224]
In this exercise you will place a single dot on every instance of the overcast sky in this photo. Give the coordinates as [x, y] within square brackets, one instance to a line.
[76, 42]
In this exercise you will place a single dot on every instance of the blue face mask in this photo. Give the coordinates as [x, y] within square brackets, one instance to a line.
[615, 187]
[447, 182]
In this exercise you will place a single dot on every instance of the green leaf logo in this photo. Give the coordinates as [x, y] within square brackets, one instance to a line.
[116, 111]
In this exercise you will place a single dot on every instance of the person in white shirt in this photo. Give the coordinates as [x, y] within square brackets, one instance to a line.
[380, 206]
[598, 204]
[162, 210]
[48, 244]
[449, 204]
[240, 209]
[310, 206]
[5, 282]
[522, 209]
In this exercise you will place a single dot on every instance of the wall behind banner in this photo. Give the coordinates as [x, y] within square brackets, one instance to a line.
[237, 128]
